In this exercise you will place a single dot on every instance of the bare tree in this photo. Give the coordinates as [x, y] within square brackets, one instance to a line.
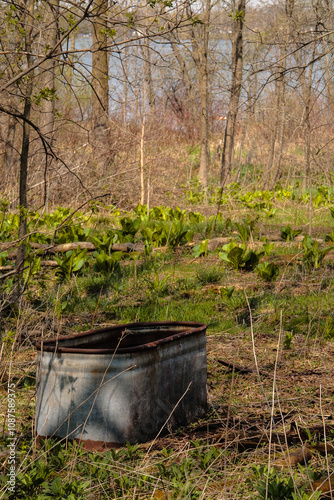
[47, 70]
[200, 42]
[238, 19]
[100, 92]
[27, 29]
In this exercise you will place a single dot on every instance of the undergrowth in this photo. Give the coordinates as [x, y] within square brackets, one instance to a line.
[267, 290]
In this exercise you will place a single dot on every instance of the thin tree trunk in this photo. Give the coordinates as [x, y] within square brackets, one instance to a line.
[48, 70]
[307, 93]
[7, 158]
[200, 47]
[237, 67]
[125, 86]
[142, 162]
[274, 132]
[277, 146]
[189, 101]
[280, 141]
[203, 89]
[148, 82]
[273, 170]
[9, 132]
[100, 71]
[243, 138]
[24, 156]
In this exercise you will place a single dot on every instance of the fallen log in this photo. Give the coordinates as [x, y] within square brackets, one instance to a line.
[49, 263]
[65, 247]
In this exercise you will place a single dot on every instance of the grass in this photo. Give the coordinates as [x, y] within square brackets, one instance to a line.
[286, 326]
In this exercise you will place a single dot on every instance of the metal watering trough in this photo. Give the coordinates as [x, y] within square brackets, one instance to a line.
[121, 384]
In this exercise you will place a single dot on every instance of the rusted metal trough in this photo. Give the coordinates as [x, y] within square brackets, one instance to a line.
[121, 384]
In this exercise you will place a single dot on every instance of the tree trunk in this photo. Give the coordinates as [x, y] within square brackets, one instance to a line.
[142, 162]
[99, 115]
[48, 70]
[9, 138]
[273, 170]
[125, 85]
[200, 47]
[276, 150]
[237, 67]
[148, 82]
[24, 156]
[188, 108]
[203, 90]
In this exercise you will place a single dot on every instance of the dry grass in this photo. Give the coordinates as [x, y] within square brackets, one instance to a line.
[275, 330]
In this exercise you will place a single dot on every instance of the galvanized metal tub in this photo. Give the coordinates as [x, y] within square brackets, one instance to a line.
[121, 384]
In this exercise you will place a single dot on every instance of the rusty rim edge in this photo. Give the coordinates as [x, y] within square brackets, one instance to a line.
[196, 328]
[88, 444]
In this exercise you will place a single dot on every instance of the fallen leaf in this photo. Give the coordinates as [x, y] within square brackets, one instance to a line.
[160, 495]
[299, 456]
[324, 484]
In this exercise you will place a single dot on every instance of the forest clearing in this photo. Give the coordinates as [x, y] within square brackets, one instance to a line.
[268, 307]
[172, 161]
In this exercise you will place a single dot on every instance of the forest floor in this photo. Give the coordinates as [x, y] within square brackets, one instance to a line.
[270, 355]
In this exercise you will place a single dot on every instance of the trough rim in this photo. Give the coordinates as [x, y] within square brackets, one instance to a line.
[52, 345]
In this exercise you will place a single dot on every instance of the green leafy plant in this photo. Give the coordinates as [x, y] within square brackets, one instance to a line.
[270, 485]
[268, 248]
[106, 243]
[3, 258]
[59, 489]
[195, 217]
[236, 303]
[246, 228]
[34, 266]
[239, 258]
[130, 226]
[269, 210]
[313, 255]
[9, 226]
[306, 496]
[273, 485]
[9, 337]
[70, 234]
[177, 234]
[328, 328]
[287, 342]
[233, 254]
[321, 197]
[71, 263]
[268, 270]
[106, 263]
[244, 231]
[288, 234]
[330, 237]
[181, 478]
[201, 250]
[166, 233]
[158, 285]
[226, 293]
[203, 454]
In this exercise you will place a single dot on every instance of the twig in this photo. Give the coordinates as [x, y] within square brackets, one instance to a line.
[236, 368]
[15, 271]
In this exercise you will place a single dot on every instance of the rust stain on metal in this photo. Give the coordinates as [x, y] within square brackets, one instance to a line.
[123, 383]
